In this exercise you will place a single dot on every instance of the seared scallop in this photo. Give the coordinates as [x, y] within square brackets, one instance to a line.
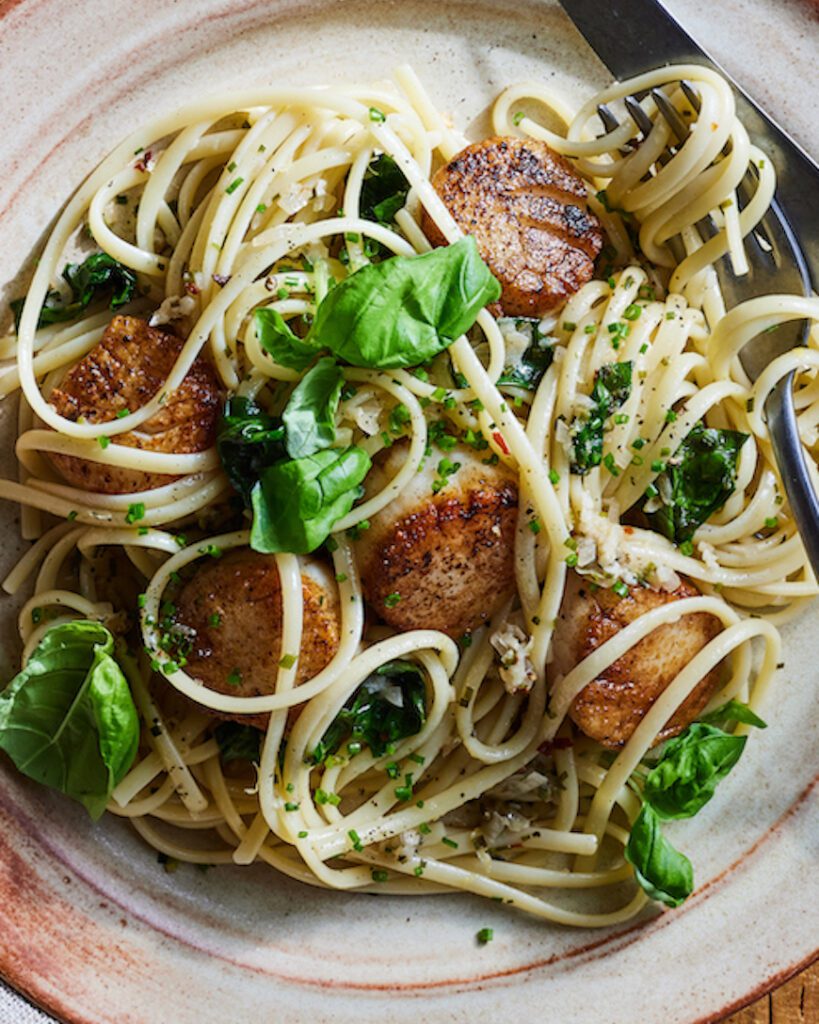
[120, 374]
[528, 212]
[611, 707]
[441, 560]
[230, 612]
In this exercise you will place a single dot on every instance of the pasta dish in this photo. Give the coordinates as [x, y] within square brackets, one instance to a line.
[402, 515]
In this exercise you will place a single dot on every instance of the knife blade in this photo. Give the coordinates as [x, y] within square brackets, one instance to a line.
[633, 36]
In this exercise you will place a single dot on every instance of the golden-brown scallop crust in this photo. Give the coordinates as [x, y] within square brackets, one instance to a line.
[528, 211]
[126, 369]
[447, 564]
[232, 610]
[611, 707]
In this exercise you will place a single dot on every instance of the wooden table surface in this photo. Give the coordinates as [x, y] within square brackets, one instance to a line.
[795, 1002]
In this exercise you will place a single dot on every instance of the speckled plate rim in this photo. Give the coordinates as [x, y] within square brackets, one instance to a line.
[34, 869]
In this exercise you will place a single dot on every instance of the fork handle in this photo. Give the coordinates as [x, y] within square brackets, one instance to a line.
[793, 466]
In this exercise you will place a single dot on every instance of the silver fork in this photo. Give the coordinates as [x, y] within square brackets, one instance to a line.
[777, 264]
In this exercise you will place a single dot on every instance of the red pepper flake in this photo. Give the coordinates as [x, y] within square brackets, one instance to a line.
[628, 530]
[191, 288]
[145, 161]
[501, 443]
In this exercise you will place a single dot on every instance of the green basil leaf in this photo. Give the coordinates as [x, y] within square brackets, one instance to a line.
[535, 361]
[98, 273]
[238, 742]
[384, 190]
[387, 707]
[405, 310]
[297, 503]
[277, 338]
[612, 386]
[734, 711]
[310, 415]
[67, 719]
[247, 441]
[662, 871]
[691, 766]
[701, 476]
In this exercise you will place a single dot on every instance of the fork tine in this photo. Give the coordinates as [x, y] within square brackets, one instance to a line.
[671, 115]
[760, 234]
[691, 95]
[610, 122]
[638, 115]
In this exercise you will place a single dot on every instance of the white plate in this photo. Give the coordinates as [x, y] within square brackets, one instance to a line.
[90, 926]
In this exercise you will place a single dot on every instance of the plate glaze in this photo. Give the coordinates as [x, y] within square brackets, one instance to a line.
[91, 927]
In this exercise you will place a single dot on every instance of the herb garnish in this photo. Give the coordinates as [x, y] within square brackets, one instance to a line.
[678, 786]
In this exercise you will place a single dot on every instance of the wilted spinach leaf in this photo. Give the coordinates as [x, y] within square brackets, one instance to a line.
[383, 191]
[701, 476]
[612, 386]
[534, 362]
[238, 742]
[248, 440]
[387, 707]
[97, 274]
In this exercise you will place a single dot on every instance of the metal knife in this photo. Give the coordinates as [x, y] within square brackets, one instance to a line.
[632, 36]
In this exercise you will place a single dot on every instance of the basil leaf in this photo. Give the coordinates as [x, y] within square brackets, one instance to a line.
[686, 776]
[405, 310]
[734, 711]
[277, 338]
[612, 387]
[387, 707]
[98, 273]
[384, 190]
[310, 415]
[238, 742]
[534, 362]
[662, 871]
[297, 503]
[67, 719]
[700, 476]
[247, 441]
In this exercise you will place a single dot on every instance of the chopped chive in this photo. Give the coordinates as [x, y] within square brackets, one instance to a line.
[135, 512]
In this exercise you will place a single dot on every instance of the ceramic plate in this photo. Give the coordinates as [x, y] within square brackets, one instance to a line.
[91, 927]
